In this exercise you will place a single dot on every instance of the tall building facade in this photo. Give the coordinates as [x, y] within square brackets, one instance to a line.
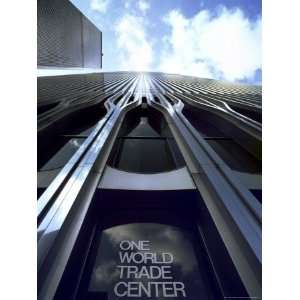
[65, 37]
[149, 187]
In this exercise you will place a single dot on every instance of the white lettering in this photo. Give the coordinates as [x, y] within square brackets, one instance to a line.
[131, 245]
[125, 245]
[164, 271]
[150, 289]
[145, 257]
[117, 291]
[146, 265]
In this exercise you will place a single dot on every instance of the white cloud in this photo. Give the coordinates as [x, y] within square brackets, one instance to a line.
[223, 46]
[99, 5]
[127, 4]
[136, 51]
[143, 5]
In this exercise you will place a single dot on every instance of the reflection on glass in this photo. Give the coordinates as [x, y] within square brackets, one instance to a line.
[147, 261]
[63, 155]
[146, 145]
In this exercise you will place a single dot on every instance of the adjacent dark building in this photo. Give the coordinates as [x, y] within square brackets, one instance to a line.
[65, 37]
[162, 169]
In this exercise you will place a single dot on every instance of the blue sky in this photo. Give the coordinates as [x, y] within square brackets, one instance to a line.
[204, 38]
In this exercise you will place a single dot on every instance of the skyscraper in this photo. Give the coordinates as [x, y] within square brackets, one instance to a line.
[66, 38]
[149, 186]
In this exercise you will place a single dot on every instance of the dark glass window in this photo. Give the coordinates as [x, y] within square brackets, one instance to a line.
[43, 108]
[147, 261]
[58, 136]
[235, 156]
[226, 139]
[257, 194]
[145, 144]
[252, 114]
[63, 155]
[156, 229]
[139, 155]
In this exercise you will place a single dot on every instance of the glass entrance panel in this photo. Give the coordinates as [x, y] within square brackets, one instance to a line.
[148, 261]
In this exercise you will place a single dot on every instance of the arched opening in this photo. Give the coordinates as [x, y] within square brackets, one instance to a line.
[145, 143]
[57, 143]
[238, 149]
[75, 125]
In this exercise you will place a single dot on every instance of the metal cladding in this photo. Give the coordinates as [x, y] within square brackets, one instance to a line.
[65, 37]
[125, 147]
